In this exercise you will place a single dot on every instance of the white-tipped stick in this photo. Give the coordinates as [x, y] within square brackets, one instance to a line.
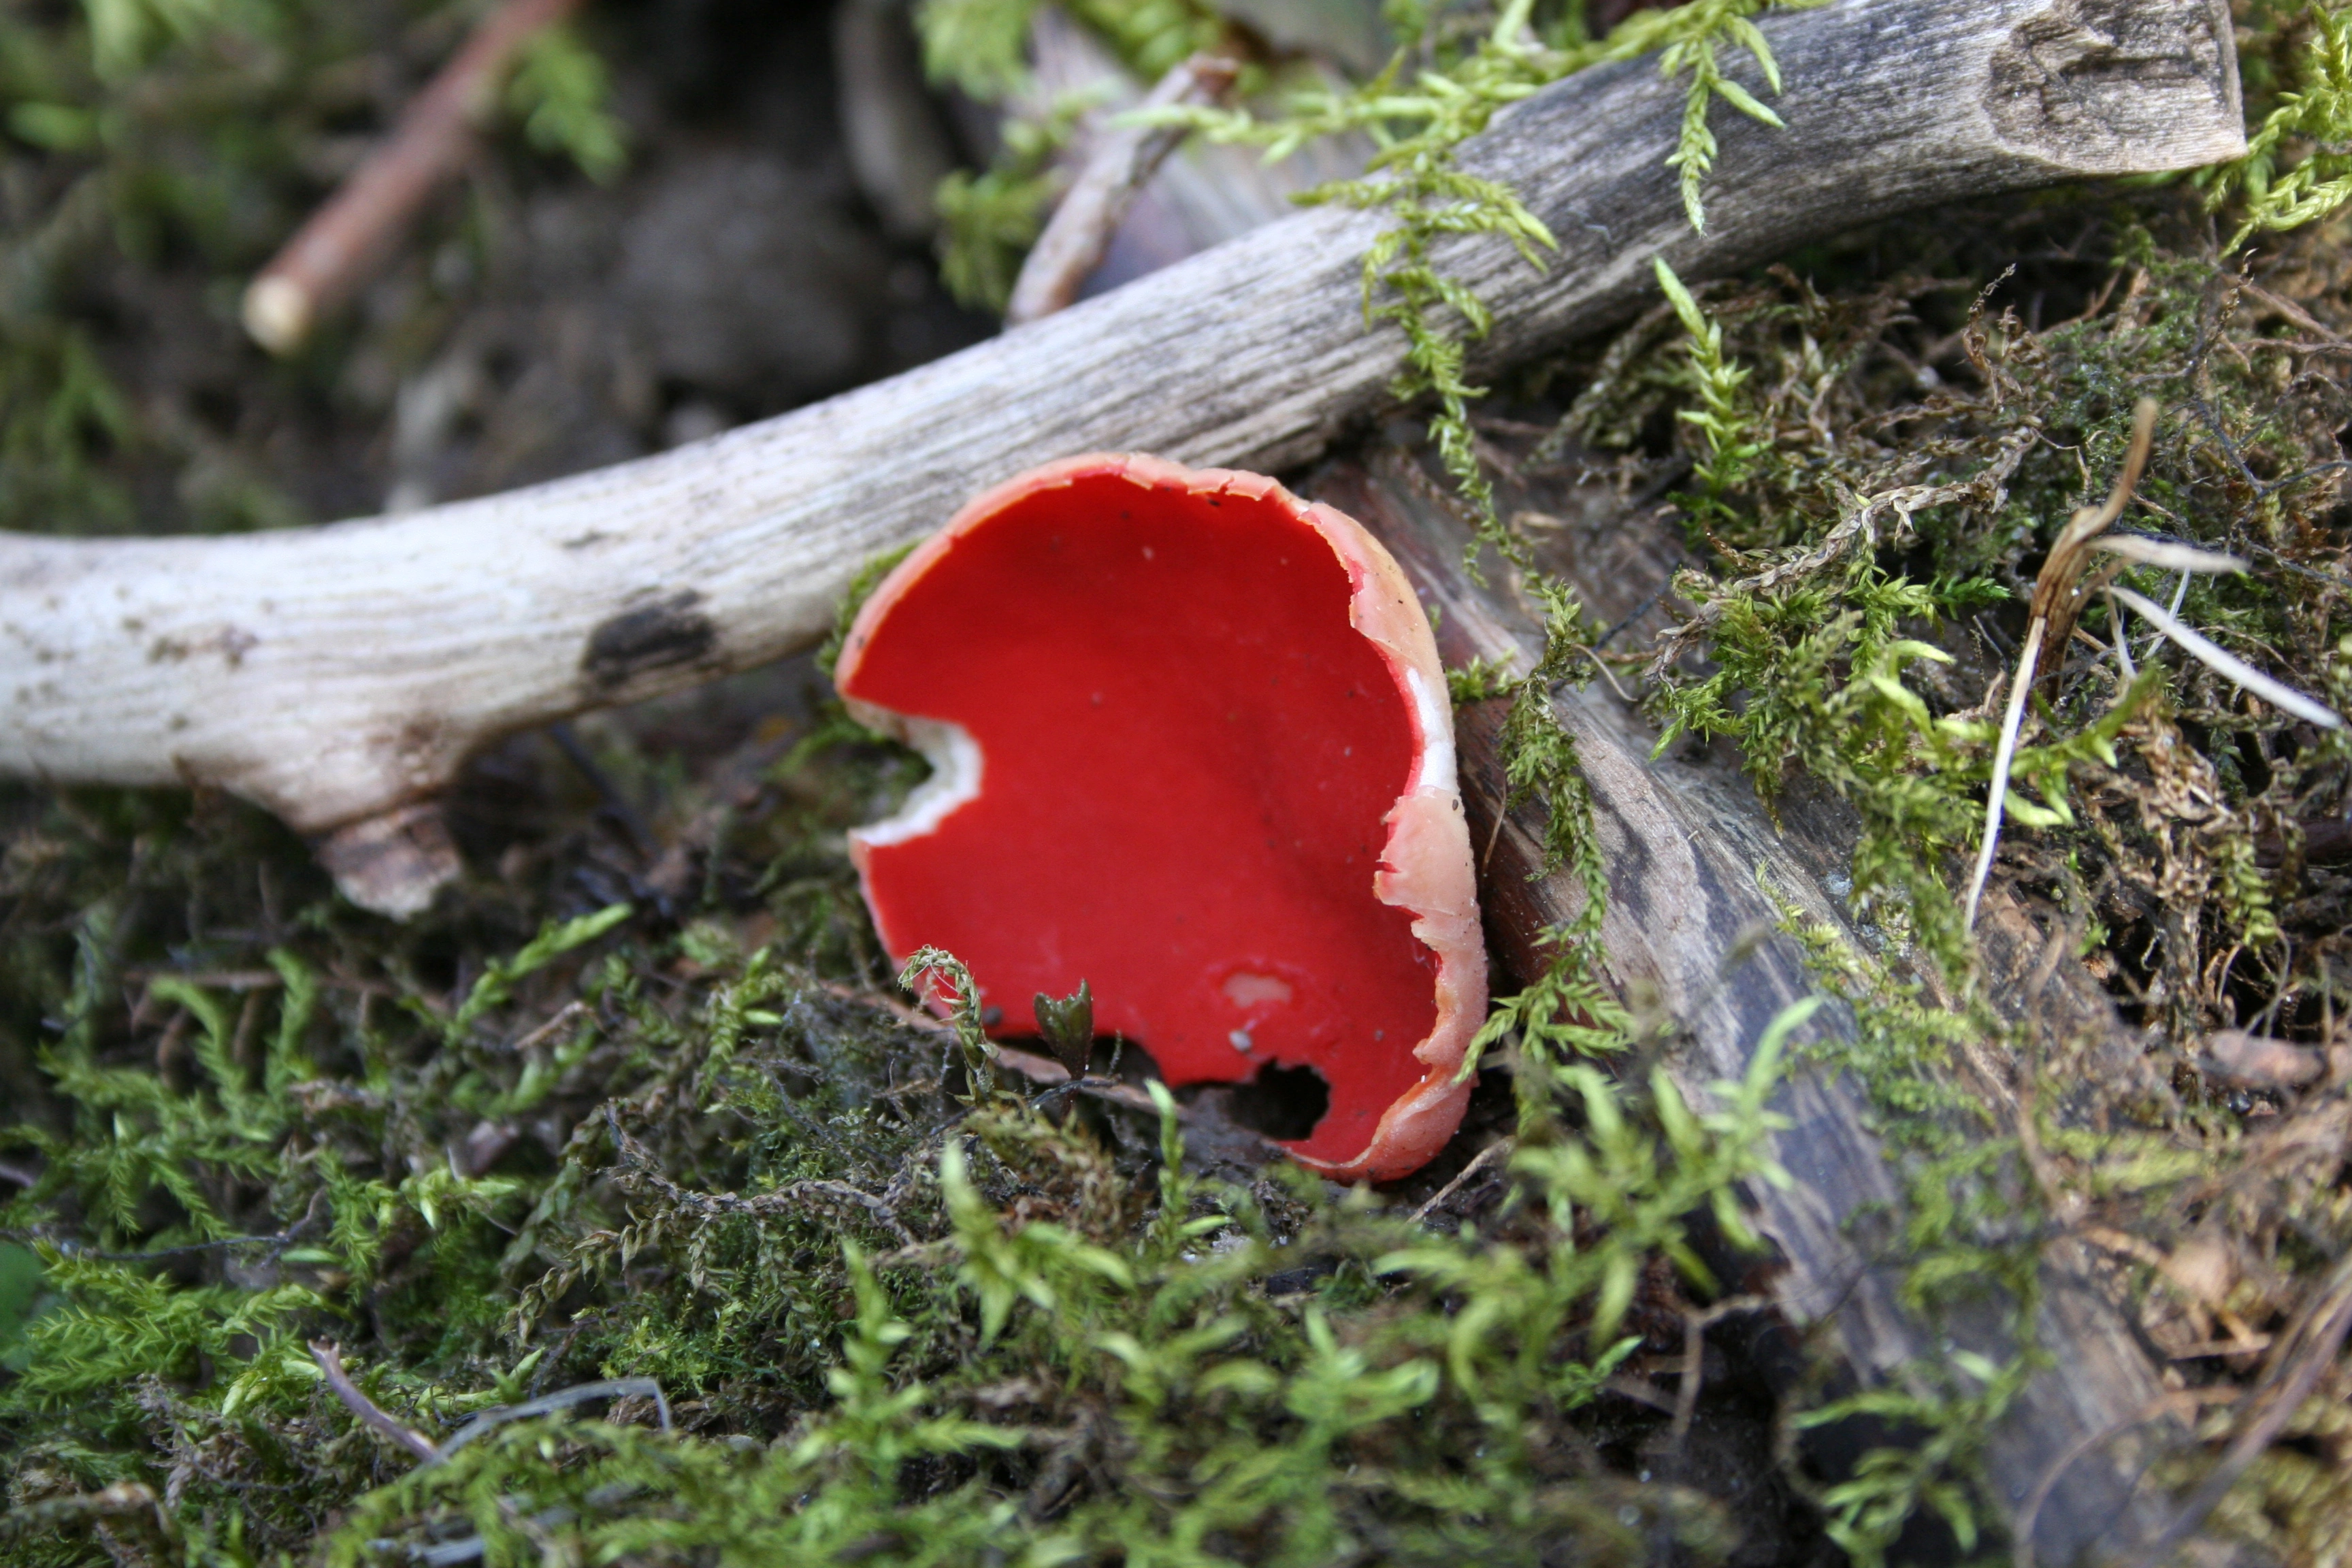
[2229, 666]
[2123, 638]
[2012, 718]
[2181, 558]
[2179, 595]
[337, 252]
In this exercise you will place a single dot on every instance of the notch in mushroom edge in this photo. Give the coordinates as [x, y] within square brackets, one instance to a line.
[957, 766]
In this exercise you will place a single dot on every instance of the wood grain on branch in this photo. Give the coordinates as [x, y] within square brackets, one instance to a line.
[339, 676]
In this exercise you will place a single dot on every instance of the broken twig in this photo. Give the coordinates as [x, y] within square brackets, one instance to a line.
[330, 1357]
[1120, 166]
[334, 253]
[562, 1399]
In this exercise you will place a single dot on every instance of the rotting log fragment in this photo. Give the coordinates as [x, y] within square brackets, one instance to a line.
[384, 652]
[1690, 929]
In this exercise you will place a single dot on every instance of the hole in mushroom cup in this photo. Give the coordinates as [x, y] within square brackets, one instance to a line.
[1283, 1103]
[1191, 744]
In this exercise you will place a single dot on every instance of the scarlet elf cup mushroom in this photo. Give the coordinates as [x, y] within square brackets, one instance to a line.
[1190, 743]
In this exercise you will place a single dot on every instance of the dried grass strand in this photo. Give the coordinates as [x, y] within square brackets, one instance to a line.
[2013, 720]
[2054, 619]
[2058, 596]
[2164, 552]
[2123, 638]
[2229, 665]
[562, 1399]
[330, 1357]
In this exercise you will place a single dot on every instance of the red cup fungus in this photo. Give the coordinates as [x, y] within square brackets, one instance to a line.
[1190, 743]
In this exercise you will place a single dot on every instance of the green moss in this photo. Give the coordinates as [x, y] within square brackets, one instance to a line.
[559, 96]
[22, 1288]
[900, 1325]
[2294, 171]
[988, 220]
[1862, 549]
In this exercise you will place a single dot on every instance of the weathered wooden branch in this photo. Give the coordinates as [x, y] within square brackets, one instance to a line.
[339, 676]
[1691, 933]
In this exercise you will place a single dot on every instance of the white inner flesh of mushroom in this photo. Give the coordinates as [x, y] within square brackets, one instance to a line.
[955, 762]
[1436, 721]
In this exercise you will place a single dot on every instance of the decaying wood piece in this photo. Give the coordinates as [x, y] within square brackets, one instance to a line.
[340, 675]
[1691, 931]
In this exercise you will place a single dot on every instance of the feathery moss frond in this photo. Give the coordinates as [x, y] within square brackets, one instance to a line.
[2297, 167]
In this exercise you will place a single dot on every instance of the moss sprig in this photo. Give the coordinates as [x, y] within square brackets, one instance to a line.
[2297, 169]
